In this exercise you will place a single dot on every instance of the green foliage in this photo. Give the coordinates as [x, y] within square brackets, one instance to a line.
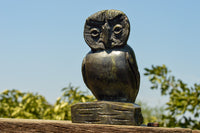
[183, 108]
[151, 114]
[16, 104]
[71, 95]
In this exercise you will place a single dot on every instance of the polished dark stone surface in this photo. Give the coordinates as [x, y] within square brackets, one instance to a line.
[110, 74]
[110, 69]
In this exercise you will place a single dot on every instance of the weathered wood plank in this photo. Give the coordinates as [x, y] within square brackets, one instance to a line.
[195, 131]
[52, 126]
[107, 112]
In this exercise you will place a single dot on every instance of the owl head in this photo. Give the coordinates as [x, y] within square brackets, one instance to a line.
[106, 29]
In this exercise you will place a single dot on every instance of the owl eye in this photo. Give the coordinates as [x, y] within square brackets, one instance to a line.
[94, 32]
[117, 29]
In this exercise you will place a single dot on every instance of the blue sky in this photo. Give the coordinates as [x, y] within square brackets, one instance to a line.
[42, 44]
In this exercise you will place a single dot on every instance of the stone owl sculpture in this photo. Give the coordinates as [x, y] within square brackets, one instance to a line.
[110, 69]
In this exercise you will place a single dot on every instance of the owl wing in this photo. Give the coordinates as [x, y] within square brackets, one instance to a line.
[84, 71]
[130, 57]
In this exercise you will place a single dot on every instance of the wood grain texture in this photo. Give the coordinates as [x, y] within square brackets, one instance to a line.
[107, 112]
[52, 126]
[195, 131]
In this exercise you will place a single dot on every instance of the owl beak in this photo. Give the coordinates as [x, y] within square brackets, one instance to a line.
[105, 35]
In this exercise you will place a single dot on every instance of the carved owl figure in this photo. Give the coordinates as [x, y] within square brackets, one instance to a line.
[110, 69]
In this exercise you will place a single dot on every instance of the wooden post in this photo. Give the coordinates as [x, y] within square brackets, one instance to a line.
[53, 126]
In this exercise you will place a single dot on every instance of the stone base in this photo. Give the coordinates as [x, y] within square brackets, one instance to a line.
[105, 112]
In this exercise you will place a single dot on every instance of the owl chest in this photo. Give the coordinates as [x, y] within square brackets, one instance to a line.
[106, 66]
